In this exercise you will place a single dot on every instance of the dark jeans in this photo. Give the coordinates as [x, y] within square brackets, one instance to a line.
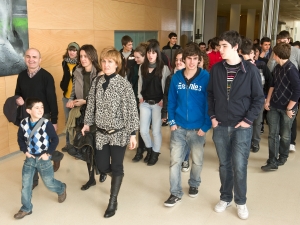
[294, 131]
[233, 148]
[110, 159]
[279, 124]
[56, 156]
[257, 124]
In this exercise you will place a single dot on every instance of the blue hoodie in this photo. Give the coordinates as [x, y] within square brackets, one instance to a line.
[187, 106]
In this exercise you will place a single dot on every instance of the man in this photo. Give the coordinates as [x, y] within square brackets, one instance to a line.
[202, 47]
[171, 47]
[214, 56]
[35, 82]
[235, 98]
[265, 53]
[282, 106]
[284, 37]
[187, 96]
[127, 57]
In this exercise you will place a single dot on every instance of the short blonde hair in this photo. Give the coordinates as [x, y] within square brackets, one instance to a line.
[114, 54]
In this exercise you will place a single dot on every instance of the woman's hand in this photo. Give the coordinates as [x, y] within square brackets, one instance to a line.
[79, 102]
[45, 156]
[141, 100]
[70, 104]
[160, 103]
[132, 143]
[85, 128]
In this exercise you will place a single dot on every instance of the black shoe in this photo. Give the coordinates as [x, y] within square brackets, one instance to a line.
[269, 167]
[255, 148]
[149, 151]
[193, 192]
[88, 185]
[281, 161]
[153, 159]
[172, 200]
[139, 154]
[114, 192]
[66, 148]
[262, 128]
[102, 177]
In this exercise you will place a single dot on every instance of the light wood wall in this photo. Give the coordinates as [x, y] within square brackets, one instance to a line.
[54, 24]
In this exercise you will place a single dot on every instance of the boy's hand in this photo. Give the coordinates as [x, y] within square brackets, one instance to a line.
[28, 155]
[45, 156]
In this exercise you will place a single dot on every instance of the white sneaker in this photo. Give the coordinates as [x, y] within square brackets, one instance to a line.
[221, 206]
[242, 211]
[292, 148]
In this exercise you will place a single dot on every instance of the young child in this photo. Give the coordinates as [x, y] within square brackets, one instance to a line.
[38, 152]
[282, 106]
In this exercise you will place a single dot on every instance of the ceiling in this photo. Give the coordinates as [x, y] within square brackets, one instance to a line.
[288, 9]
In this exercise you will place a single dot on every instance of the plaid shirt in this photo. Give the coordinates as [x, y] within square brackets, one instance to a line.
[31, 75]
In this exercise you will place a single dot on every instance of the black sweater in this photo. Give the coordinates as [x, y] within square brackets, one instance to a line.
[66, 77]
[40, 86]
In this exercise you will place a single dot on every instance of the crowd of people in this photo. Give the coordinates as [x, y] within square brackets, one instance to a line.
[232, 85]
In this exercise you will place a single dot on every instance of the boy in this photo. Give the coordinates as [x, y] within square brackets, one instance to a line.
[189, 121]
[171, 47]
[38, 151]
[235, 98]
[265, 54]
[281, 104]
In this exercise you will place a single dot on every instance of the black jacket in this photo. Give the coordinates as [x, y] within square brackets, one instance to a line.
[245, 99]
[66, 77]
[127, 64]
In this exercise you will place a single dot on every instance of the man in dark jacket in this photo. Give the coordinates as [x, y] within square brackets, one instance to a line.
[127, 57]
[235, 98]
[171, 47]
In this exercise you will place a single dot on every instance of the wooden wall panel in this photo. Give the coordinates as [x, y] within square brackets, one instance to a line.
[152, 18]
[168, 20]
[103, 39]
[10, 84]
[115, 15]
[4, 150]
[60, 14]
[12, 138]
[2, 94]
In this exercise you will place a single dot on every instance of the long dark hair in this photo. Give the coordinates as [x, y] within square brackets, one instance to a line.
[91, 53]
[153, 46]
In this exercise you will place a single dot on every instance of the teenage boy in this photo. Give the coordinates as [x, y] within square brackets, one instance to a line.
[214, 56]
[265, 53]
[171, 47]
[266, 78]
[281, 103]
[202, 47]
[189, 121]
[38, 147]
[127, 55]
[235, 98]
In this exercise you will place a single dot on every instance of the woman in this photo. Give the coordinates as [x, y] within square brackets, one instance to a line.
[139, 56]
[112, 107]
[152, 77]
[84, 74]
[69, 65]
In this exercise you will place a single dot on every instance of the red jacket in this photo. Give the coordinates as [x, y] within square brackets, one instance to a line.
[214, 57]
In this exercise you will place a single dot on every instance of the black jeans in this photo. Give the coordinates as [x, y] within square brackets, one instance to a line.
[56, 156]
[110, 159]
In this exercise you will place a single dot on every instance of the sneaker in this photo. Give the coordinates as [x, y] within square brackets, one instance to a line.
[21, 214]
[63, 196]
[242, 211]
[221, 206]
[185, 166]
[255, 148]
[269, 167]
[292, 148]
[193, 192]
[281, 161]
[172, 200]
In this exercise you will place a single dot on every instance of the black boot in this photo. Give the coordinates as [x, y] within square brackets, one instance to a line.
[139, 155]
[114, 191]
[153, 159]
[149, 150]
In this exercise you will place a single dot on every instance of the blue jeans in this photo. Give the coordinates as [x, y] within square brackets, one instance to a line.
[45, 169]
[180, 139]
[150, 113]
[66, 111]
[279, 124]
[233, 148]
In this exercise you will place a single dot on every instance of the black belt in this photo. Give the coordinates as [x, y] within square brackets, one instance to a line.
[151, 102]
[112, 131]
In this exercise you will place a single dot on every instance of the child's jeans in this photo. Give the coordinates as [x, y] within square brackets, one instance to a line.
[45, 169]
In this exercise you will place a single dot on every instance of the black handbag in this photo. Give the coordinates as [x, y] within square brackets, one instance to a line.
[84, 147]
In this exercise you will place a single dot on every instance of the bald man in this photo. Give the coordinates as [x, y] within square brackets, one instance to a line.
[36, 82]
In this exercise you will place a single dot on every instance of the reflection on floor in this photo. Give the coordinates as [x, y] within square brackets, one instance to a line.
[273, 197]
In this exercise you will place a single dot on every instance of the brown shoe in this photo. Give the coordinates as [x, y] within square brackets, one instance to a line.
[21, 214]
[56, 165]
[63, 196]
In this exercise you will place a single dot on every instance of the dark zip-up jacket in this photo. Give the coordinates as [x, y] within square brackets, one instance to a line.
[246, 96]
[127, 64]
[66, 77]
[170, 52]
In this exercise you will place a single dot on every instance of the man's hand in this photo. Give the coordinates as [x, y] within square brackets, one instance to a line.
[55, 127]
[28, 155]
[242, 124]
[45, 156]
[174, 127]
[214, 123]
[267, 105]
[20, 101]
[201, 133]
